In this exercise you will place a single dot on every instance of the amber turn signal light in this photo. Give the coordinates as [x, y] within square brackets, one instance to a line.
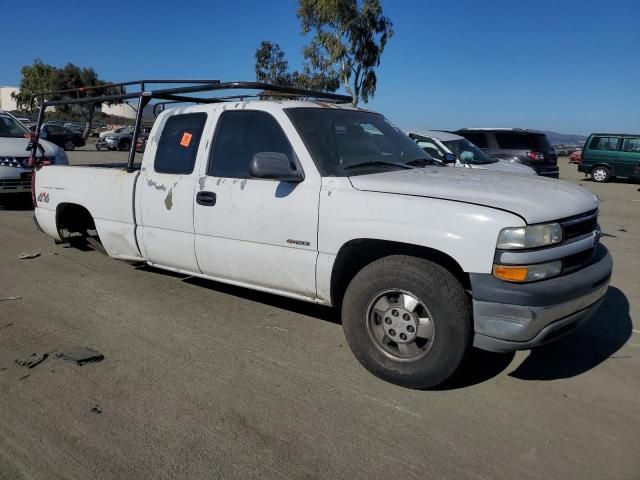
[511, 273]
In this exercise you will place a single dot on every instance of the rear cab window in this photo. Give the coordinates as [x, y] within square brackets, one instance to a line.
[607, 143]
[179, 141]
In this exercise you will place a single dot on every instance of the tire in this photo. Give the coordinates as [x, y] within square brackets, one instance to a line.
[69, 145]
[435, 348]
[601, 174]
[124, 145]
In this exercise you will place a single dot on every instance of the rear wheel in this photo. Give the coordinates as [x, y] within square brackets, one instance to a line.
[124, 145]
[69, 145]
[601, 174]
[407, 320]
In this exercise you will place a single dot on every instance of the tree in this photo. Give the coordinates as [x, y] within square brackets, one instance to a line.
[74, 77]
[349, 38]
[272, 67]
[40, 77]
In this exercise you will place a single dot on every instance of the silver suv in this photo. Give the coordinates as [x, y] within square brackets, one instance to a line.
[518, 145]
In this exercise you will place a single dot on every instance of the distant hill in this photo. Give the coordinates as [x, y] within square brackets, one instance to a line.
[564, 139]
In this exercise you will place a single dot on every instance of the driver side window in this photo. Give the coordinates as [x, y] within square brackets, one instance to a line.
[239, 136]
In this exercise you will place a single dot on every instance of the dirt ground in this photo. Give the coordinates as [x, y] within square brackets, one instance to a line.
[203, 380]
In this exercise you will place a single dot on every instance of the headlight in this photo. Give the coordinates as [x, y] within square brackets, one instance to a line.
[530, 237]
[527, 273]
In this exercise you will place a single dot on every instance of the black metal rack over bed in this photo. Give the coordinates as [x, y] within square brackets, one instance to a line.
[171, 95]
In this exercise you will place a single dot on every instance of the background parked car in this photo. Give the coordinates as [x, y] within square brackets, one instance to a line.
[576, 157]
[61, 136]
[141, 143]
[609, 155]
[15, 173]
[127, 130]
[527, 147]
[439, 143]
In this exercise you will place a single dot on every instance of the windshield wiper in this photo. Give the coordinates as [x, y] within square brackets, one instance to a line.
[420, 162]
[376, 163]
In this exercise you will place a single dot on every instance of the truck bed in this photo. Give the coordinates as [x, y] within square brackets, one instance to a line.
[107, 191]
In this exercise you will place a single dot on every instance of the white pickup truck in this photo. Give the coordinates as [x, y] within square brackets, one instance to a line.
[334, 205]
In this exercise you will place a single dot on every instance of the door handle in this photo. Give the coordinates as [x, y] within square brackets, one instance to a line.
[206, 199]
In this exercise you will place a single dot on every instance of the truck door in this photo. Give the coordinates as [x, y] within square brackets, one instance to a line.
[165, 192]
[251, 231]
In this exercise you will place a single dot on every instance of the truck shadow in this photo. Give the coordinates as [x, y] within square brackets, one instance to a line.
[298, 306]
[590, 345]
[576, 353]
[16, 202]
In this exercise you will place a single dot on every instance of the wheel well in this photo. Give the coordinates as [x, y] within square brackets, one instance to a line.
[356, 254]
[604, 165]
[72, 218]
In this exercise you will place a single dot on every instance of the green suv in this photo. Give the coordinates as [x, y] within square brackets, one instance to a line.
[608, 155]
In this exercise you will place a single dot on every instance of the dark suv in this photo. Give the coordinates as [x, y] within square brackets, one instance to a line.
[528, 147]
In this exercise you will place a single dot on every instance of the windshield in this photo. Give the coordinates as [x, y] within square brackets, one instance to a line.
[350, 142]
[467, 152]
[10, 127]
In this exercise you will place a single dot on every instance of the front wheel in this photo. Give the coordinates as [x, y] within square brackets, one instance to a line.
[408, 321]
[69, 145]
[601, 174]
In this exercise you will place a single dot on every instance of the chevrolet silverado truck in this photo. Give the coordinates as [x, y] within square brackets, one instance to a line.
[334, 205]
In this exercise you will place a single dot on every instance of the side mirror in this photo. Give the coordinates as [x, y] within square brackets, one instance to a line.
[449, 158]
[274, 166]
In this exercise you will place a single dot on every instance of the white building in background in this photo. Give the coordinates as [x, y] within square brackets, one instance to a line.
[124, 109]
[6, 100]
[127, 110]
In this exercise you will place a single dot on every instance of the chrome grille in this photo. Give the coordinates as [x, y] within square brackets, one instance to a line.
[16, 183]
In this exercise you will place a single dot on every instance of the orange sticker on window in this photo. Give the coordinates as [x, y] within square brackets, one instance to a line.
[186, 139]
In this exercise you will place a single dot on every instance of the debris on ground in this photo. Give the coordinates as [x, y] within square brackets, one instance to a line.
[33, 360]
[622, 229]
[4, 299]
[6, 326]
[81, 356]
[97, 409]
[25, 377]
[27, 256]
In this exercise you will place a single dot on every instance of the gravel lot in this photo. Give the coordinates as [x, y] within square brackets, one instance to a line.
[203, 380]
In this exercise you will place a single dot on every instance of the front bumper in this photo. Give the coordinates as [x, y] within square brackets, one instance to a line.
[18, 182]
[509, 316]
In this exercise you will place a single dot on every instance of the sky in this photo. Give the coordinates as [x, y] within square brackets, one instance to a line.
[569, 66]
